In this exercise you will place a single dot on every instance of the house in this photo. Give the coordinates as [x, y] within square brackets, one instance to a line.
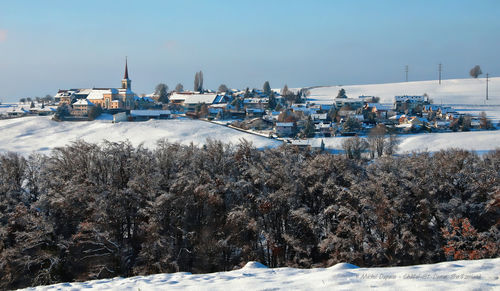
[319, 117]
[65, 96]
[190, 100]
[301, 143]
[106, 98]
[43, 111]
[255, 112]
[398, 119]
[410, 104]
[260, 103]
[352, 103]
[324, 128]
[369, 99]
[379, 110]
[142, 115]
[82, 107]
[16, 112]
[304, 108]
[344, 113]
[271, 115]
[284, 128]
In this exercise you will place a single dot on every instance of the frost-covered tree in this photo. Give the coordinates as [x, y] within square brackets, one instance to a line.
[475, 71]
[161, 90]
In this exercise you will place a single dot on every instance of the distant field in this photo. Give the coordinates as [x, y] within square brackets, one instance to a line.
[454, 91]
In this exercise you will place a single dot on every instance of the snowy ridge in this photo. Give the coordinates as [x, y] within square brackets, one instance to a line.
[456, 275]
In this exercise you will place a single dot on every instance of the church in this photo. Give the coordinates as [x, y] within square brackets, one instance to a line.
[106, 98]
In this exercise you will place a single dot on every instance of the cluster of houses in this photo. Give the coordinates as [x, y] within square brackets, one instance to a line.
[352, 116]
[267, 111]
[20, 110]
[114, 100]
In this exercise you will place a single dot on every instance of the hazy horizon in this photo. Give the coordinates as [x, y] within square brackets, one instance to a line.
[46, 46]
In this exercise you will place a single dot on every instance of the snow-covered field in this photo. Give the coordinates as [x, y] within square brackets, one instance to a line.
[457, 275]
[453, 91]
[479, 141]
[41, 134]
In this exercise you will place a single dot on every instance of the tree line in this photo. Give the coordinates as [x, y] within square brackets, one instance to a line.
[88, 211]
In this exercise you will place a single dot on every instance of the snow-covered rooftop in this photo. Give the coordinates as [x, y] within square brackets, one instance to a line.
[98, 93]
[196, 98]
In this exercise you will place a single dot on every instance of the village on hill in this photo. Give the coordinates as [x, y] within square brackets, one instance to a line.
[286, 114]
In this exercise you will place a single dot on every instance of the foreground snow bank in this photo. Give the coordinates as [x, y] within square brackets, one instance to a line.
[457, 275]
[41, 134]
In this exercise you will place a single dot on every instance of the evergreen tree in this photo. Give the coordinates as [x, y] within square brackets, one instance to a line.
[266, 88]
[341, 94]
[161, 90]
[272, 101]
[308, 130]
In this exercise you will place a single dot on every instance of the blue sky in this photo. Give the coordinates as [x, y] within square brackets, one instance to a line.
[47, 45]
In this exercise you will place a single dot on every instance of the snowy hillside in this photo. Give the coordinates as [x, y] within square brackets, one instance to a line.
[457, 275]
[454, 91]
[40, 134]
[28, 134]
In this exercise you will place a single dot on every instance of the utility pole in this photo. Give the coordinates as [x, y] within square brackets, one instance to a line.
[440, 69]
[406, 70]
[487, 80]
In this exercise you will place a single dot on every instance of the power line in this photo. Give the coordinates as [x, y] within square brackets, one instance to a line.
[487, 80]
[406, 70]
[440, 67]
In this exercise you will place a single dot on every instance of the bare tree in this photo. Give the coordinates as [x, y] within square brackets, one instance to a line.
[475, 72]
[285, 91]
[376, 140]
[391, 145]
[484, 122]
[354, 147]
[179, 87]
[222, 88]
[198, 81]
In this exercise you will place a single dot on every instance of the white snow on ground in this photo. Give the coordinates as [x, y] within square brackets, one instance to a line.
[454, 91]
[41, 134]
[457, 275]
[479, 141]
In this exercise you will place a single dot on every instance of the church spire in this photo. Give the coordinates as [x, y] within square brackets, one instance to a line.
[126, 69]
[126, 82]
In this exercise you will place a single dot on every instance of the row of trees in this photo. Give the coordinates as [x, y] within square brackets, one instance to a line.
[91, 211]
[46, 99]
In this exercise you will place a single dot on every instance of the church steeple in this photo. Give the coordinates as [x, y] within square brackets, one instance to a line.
[126, 69]
[126, 82]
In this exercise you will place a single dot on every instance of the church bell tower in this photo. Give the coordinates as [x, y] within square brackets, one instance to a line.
[126, 82]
